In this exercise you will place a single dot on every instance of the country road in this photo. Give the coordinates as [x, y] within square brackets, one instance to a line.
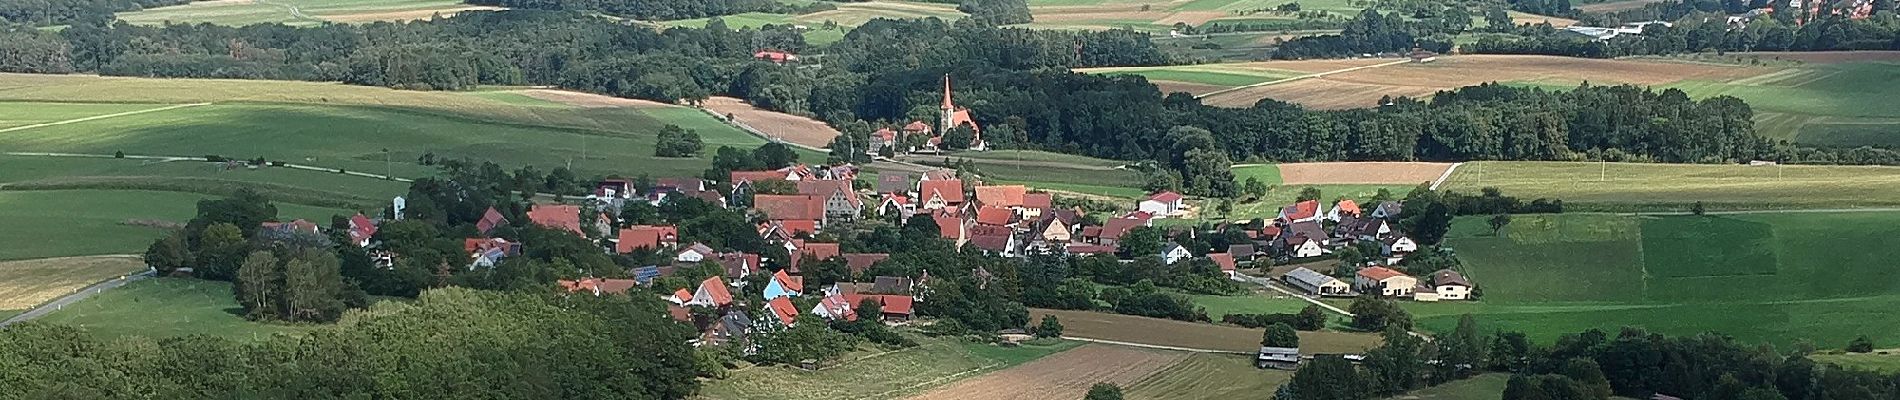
[75, 297]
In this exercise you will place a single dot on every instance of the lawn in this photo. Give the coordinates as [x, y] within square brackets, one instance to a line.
[28, 283]
[935, 362]
[1210, 376]
[280, 11]
[166, 307]
[1481, 387]
[1038, 156]
[1674, 187]
[1256, 303]
[1268, 174]
[59, 223]
[1775, 277]
[1163, 332]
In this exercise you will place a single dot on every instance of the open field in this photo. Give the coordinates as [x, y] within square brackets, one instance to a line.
[1844, 104]
[1144, 330]
[314, 188]
[881, 375]
[60, 223]
[296, 12]
[166, 307]
[848, 15]
[1481, 387]
[1520, 18]
[1260, 302]
[1614, 6]
[1402, 173]
[1888, 363]
[28, 283]
[1772, 277]
[1209, 376]
[1362, 88]
[1065, 375]
[1673, 187]
[782, 126]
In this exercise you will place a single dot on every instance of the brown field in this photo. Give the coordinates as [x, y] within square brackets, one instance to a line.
[1405, 173]
[1520, 18]
[1827, 57]
[588, 100]
[27, 283]
[1614, 6]
[1133, 329]
[787, 127]
[1067, 375]
[407, 15]
[1314, 66]
[1363, 88]
[1192, 88]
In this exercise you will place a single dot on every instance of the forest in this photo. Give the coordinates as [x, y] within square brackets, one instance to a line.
[54, 12]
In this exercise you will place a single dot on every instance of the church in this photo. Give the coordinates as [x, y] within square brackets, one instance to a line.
[949, 117]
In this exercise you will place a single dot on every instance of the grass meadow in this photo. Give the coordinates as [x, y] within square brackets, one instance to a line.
[1776, 278]
[1481, 387]
[1209, 376]
[1887, 362]
[1165, 332]
[1674, 187]
[166, 307]
[61, 223]
[1837, 105]
[880, 374]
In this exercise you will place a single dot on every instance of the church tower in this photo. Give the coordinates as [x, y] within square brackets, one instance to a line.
[945, 121]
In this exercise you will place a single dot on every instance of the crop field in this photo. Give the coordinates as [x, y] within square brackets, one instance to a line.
[1767, 277]
[1847, 104]
[24, 284]
[1263, 302]
[1363, 88]
[1159, 15]
[1065, 375]
[880, 375]
[1674, 187]
[166, 307]
[1481, 387]
[1200, 79]
[1134, 329]
[296, 12]
[787, 127]
[1209, 376]
[848, 15]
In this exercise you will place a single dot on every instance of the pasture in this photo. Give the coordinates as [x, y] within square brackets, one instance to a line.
[61, 223]
[24, 284]
[846, 16]
[1065, 375]
[1261, 302]
[296, 12]
[1481, 387]
[1883, 360]
[880, 374]
[1674, 187]
[1209, 376]
[1154, 331]
[1363, 88]
[166, 307]
[1768, 277]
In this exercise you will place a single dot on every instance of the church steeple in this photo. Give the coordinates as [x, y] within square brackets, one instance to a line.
[947, 106]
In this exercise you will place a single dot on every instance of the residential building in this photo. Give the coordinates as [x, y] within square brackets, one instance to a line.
[837, 196]
[998, 245]
[1316, 283]
[893, 183]
[1009, 197]
[1387, 210]
[485, 252]
[1398, 246]
[1384, 282]
[491, 219]
[711, 293]
[1164, 204]
[784, 285]
[555, 216]
[695, 253]
[1344, 208]
[784, 312]
[1172, 253]
[791, 207]
[1226, 263]
[647, 237]
[1451, 285]
[940, 194]
[858, 263]
[1305, 211]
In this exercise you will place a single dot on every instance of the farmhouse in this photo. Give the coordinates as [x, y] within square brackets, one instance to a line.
[791, 208]
[1305, 211]
[562, 217]
[490, 220]
[1008, 197]
[940, 193]
[1226, 263]
[1384, 281]
[1450, 285]
[1163, 204]
[1316, 283]
[839, 200]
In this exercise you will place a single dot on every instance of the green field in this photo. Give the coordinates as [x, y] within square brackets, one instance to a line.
[879, 374]
[1481, 387]
[295, 12]
[165, 307]
[1257, 303]
[847, 16]
[1268, 174]
[1674, 187]
[1888, 363]
[1775, 277]
[1209, 376]
[59, 223]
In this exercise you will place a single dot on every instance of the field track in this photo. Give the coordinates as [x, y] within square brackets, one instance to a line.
[1361, 172]
[1062, 376]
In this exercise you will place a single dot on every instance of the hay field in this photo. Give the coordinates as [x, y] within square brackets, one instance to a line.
[1065, 375]
[1144, 330]
[1520, 18]
[787, 127]
[24, 284]
[1363, 88]
[1673, 187]
[1209, 376]
[297, 12]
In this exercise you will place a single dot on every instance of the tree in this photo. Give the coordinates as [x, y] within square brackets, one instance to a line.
[1254, 188]
[1225, 207]
[1860, 345]
[1104, 391]
[1374, 315]
[1588, 376]
[775, 155]
[675, 141]
[1498, 222]
[1308, 193]
[1327, 377]
[221, 248]
[1142, 241]
[168, 253]
[1310, 318]
[958, 138]
[1280, 335]
[1049, 328]
[257, 285]
[1426, 217]
[1463, 351]
[1698, 209]
[313, 287]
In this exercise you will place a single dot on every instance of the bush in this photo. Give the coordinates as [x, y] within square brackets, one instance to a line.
[118, 154]
[1259, 320]
[1050, 327]
[1860, 345]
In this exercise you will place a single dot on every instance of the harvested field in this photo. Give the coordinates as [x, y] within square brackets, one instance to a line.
[1154, 331]
[787, 127]
[1065, 375]
[27, 283]
[1363, 88]
[1191, 88]
[1827, 57]
[1210, 376]
[1520, 18]
[1614, 6]
[406, 15]
[1361, 172]
[587, 100]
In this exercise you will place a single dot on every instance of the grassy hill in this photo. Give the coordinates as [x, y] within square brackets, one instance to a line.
[1674, 187]
[1774, 278]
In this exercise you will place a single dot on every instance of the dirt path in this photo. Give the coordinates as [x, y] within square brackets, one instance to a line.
[1066, 375]
[100, 117]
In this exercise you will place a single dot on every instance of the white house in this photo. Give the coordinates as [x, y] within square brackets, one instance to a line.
[1451, 285]
[1164, 204]
[1345, 208]
[1384, 281]
[693, 254]
[1303, 247]
[1305, 211]
[1316, 283]
[1173, 253]
[1387, 210]
[1399, 245]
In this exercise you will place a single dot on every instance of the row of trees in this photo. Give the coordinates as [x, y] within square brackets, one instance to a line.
[1695, 34]
[652, 10]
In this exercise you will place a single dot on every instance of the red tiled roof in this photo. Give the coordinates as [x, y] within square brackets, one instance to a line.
[990, 230]
[1037, 201]
[1115, 228]
[361, 228]
[1224, 260]
[1379, 273]
[988, 215]
[916, 126]
[490, 220]
[645, 236]
[823, 189]
[755, 176]
[1000, 196]
[951, 189]
[990, 242]
[817, 251]
[715, 289]
[1091, 231]
[838, 305]
[1347, 207]
[949, 227]
[678, 313]
[788, 282]
[563, 217]
[860, 262]
[604, 286]
[1165, 197]
[683, 295]
[793, 227]
[1089, 249]
[789, 206]
[1301, 210]
[896, 304]
[783, 309]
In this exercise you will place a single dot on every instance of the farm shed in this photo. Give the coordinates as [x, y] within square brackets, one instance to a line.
[1314, 282]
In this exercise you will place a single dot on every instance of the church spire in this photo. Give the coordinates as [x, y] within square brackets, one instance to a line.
[946, 93]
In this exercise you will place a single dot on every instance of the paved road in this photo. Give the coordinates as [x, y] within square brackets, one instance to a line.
[82, 294]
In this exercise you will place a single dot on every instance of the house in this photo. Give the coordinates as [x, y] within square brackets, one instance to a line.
[1241, 253]
[897, 308]
[1398, 246]
[775, 56]
[559, 217]
[491, 219]
[1387, 210]
[695, 253]
[784, 285]
[680, 185]
[1344, 208]
[1367, 229]
[786, 314]
[898, 204]
[994, 216]
[839, 200]
[916, 128]
[1423, 292]
[940, 174]
[679, 297]
[893, 183]
[1164, 204]
[835, 307]
[1287, 358]
[1226, 263]
[1007, 197]
[614, 188]
[858, 263]
[648, 237]
[1080, 249]
[485, 252]
[295, 226]
[1305, 211]
[1316, 283]
[883, 138]
[731, 327]
[712, 293]
[814, 251]
[892, 285]
[998, 245]
[940, 193]
[1303, 239]
[1057, 227]
[361, 230]
[791, 207]
[738, 265]
[1173, 253]
[1384, 281]
[1113, 229]
[1450, 285]
[1034, 204]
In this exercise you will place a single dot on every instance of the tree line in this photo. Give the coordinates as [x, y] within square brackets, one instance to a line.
[653, 10]
[55, 12]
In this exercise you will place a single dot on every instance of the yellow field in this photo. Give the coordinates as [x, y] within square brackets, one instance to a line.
[27, 283]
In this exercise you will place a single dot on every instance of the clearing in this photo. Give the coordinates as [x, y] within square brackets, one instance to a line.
[880, 375]
[1164, 332]
[1674, 187]
[166, 307]
[781, 126]
[297, 12]
[1880, 360]
[28, 283]
[1209, 376]
[1767, 277]
[1065, 375]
